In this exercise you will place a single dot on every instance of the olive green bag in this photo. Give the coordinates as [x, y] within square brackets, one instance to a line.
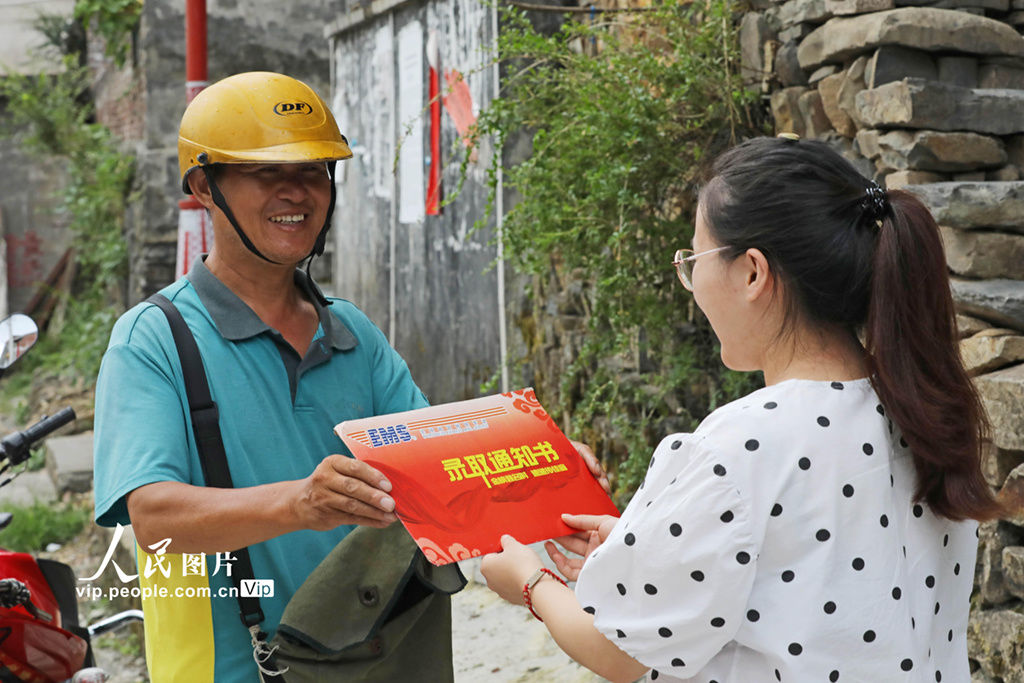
[373, 610]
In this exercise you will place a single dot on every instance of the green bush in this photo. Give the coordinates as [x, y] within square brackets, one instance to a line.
[622, 114]
[36, 526]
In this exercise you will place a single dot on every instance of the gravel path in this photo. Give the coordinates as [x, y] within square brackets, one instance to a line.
[500, 642]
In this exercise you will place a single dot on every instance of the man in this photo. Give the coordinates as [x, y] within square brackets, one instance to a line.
[284, 366]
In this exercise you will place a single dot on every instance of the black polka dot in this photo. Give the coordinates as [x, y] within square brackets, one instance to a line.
[589, 610]
[619, 633]
[678, 662]
[675, 529]
[676, 444]
[795, 649]
[938, 677]
[788, 575]
[918, 510]
[945, 540]
[913, 624]
[665, 632]
[726, 516]
[956, 569]
[778, 676]
[751, 445]
[880, 409]
[830, 607]
[903, 442]
[823, 421]
[776, 510]
[620, 588]
[804, 463]
[883, 520]
[907, 665]
[753, 615]
[654, 674]
[823, 535]
[858, 563]
[650, 589]
[868, 449]
[630, 539]
[837, 385]
[929, 581]
[743, 557]
[949, 635]
[869, 636]
[896, 593]
[718, 622]
[833, 676]
[936, 608]
[848, 491]
[697, 575]
[771, 405]
[904, 551]
[892, 482]
[719, 470]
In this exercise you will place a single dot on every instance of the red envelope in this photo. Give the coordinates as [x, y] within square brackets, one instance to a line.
[465, 473]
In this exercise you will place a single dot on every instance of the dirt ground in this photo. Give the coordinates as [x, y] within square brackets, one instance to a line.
[493, 641]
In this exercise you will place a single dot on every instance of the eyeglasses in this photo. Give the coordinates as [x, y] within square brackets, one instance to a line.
[683, 262]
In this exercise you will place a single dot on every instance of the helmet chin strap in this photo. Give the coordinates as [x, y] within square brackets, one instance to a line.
[321, 239]
[222, 204]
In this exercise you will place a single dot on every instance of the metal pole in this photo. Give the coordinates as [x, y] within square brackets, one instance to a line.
[195, 234]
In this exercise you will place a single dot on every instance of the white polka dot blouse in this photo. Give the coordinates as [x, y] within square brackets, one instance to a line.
[780, 542]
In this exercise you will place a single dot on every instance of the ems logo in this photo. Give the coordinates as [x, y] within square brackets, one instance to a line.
[291, 108]
[383, 436]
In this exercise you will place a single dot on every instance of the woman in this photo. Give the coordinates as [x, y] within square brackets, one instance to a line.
[821, 528]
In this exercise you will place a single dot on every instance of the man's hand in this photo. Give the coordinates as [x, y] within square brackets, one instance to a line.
[343, 490]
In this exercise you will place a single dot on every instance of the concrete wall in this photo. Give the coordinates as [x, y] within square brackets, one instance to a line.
[425, 280]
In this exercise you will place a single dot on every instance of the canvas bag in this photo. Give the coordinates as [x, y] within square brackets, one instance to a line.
[373, 610]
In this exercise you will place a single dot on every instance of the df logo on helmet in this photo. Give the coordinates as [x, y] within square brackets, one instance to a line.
[291, 108]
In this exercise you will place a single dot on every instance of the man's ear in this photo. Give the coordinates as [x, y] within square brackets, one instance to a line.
[760, 278]
[200, 186]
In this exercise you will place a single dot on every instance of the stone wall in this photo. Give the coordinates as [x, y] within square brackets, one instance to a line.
[931, 99]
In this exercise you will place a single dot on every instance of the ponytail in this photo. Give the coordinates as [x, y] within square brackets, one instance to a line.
[913, 352]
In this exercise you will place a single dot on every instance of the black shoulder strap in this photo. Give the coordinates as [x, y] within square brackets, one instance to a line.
[206, 426]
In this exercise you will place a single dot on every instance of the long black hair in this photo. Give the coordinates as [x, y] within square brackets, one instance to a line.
[853, 256]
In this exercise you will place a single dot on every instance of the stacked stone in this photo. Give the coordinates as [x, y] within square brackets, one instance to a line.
[931, 99]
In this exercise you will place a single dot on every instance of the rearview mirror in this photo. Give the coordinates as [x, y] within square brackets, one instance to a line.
[17, 335]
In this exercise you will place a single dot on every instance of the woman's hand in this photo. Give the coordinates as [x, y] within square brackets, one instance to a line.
[593, 464]
[507, 571]
[593, 530]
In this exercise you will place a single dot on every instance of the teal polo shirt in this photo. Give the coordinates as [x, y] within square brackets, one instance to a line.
[277, 413]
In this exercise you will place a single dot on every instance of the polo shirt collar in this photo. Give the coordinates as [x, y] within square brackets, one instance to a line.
[236, 321]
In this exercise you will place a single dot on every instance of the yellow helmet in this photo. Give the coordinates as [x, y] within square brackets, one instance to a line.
[257, 117]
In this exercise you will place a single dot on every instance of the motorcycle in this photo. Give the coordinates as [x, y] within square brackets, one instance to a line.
[41, 640]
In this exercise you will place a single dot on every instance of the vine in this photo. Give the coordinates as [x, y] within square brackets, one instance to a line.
[52, 116]
[621, 116]
[113, 20]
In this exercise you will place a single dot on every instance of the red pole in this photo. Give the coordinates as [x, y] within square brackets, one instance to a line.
[194, 230]
[195, 48]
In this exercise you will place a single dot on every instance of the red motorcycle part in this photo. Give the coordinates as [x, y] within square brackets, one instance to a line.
[34, 649]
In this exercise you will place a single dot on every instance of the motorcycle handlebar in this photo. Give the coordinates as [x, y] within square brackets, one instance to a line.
[18, 445]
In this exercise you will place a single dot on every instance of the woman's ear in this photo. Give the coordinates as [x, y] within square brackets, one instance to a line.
[760, 278]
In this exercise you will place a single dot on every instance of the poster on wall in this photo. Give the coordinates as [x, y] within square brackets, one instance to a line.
[411, 176]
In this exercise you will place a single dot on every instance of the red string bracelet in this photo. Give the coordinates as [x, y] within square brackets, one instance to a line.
[533, 581]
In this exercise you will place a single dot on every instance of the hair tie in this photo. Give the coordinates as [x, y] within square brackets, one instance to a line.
[876, 204]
